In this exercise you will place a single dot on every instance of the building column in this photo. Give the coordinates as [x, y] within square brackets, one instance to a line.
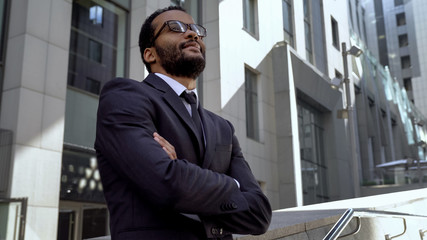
[33, 107]
[288, 149]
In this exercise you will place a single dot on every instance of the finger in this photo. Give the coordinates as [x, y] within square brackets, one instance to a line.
[171, 154]
[166, 146]
[163, 142]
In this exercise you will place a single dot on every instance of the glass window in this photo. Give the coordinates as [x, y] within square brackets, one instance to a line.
[401, 19]
[250, 16]
[80, 179]
[3, 33]
[407, 83]
[3, 20]
[398, 2]
[97, 42]
[287, 22]
[308, 44]
[307, 31]
[94, 223]
[93, 86]
[313, 165]
[338, 74]
[66, 220]
[335, 34]
[350, 10]
[95, 51]
[358, 17]
[97, 54]
[251, 93]
[405, 62]
[364, 24]
[95, 15]
[403, 40]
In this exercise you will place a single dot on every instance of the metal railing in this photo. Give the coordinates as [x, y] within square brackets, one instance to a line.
[16, 214]
[339, 226]
[349, 214]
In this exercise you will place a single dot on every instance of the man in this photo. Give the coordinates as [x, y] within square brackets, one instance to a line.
[164, 175]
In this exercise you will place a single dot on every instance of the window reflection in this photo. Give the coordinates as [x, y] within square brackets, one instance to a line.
[80, 179]
[95, 15]
[97, 43]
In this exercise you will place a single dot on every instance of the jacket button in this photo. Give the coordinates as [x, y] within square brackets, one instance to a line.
[216, 231]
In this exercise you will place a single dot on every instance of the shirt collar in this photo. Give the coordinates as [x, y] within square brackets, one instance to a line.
[177, 87]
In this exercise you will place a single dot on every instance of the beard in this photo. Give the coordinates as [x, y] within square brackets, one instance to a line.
[177, 63]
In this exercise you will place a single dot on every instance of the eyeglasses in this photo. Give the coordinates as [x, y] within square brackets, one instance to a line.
[180, 27]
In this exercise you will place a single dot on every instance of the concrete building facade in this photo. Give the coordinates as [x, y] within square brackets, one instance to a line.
[399, 43]
[269, 70]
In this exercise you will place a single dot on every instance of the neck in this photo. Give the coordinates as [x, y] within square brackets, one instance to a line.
[189, 83]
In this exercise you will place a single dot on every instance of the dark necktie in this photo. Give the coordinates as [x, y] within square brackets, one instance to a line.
[191, 99]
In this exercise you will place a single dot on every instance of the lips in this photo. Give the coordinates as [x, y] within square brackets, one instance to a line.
[191, 44]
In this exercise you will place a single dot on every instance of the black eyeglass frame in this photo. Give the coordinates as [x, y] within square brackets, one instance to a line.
[198, 29]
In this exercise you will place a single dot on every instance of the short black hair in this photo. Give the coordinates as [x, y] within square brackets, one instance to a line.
[147, 32]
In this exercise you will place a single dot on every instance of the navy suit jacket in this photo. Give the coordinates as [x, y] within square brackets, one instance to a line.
[147, 193]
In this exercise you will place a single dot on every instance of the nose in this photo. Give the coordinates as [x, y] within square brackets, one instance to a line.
[192, 34]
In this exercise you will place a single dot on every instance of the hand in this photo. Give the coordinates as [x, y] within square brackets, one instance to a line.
[169, 149]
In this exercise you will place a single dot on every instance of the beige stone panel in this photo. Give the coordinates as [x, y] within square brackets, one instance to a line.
[56, 72]
[41, 223]
[52, 135]
[38, 17]
[34, 63]
[36, 175]
[60, 23]
[29, 118]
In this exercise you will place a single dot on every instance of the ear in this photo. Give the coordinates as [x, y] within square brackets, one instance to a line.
[150, 55]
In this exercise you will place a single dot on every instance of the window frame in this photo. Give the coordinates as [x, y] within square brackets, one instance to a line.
[252, 104]
[312, 135]
[335, 33]
[94, 50]
[288, 33]
[403, 38]
[401, 19]
[398, 3]
[405, 62]
[253, 31]
[308, 30]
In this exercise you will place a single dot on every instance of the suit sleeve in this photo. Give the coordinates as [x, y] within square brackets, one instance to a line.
[125, 146]
[256, 219]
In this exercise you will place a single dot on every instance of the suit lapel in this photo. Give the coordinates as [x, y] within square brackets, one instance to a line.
[175, 103]
[171, 98]
[209, 130]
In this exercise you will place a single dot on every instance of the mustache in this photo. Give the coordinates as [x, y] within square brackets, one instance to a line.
[190, 42]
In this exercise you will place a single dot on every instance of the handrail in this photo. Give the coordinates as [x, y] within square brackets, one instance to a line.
[340, 225]
[387, 236]
[345, 219]
[422, 233]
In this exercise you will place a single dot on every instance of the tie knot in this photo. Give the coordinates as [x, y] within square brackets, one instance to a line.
[189, 97]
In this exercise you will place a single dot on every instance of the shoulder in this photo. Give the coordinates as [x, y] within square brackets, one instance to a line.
[119, 84]
[123, 92]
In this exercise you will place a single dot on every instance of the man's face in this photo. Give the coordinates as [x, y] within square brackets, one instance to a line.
[180, 54]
